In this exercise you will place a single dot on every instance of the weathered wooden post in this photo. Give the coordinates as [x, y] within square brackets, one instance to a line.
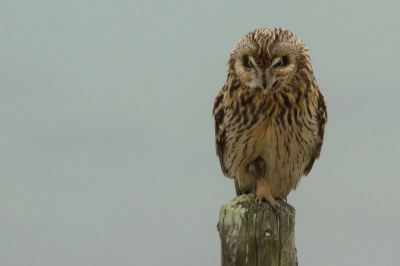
[256, 235]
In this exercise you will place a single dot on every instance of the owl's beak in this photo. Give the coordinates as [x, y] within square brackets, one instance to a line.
[264, 81]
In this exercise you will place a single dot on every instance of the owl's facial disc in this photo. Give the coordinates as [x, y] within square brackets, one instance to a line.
[268, 79]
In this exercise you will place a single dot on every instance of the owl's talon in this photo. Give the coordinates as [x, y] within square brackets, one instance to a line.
[259, 200]
[275, 207]
[257, 168]
[283, 199]
[251, 170]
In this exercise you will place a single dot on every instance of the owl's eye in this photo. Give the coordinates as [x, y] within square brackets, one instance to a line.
[247, 62]
[283, 62]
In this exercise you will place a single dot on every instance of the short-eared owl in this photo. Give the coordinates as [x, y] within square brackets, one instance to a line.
[270, 115]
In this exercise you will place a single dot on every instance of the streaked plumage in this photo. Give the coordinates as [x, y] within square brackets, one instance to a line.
[270, 115]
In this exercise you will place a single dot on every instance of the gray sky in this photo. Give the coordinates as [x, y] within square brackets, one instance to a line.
[107, 137]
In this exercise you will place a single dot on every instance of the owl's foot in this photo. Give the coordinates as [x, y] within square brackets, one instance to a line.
[257, 168]
[263, 191]
[275, 205]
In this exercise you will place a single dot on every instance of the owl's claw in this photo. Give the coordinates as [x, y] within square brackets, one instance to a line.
[275, 205]
[262, 168]
[283, 199]
[259, 200]
[257, 168]
[251, 169]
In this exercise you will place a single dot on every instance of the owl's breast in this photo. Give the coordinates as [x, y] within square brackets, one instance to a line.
[244, 143]
[289, 145]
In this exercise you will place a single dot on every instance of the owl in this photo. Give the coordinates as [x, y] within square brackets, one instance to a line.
[269, 116]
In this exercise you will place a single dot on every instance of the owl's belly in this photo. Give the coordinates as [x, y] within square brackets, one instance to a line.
[287, 151]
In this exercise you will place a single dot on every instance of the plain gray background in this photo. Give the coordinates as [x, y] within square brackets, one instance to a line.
[107, 140]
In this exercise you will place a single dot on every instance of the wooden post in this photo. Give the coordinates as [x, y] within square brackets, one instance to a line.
[256, 235]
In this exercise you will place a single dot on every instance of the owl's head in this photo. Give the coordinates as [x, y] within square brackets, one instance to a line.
[266, 60]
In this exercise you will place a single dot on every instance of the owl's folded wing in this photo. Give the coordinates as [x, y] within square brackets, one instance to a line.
[322, 117]
[218, 113]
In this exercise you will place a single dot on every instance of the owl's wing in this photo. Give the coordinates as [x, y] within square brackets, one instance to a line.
[219, 114]
[322, 117]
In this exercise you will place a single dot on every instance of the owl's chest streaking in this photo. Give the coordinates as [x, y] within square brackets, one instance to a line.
[282, 132]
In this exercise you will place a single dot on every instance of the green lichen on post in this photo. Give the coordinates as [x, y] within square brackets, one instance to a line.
[254, 234]
[234, 211]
